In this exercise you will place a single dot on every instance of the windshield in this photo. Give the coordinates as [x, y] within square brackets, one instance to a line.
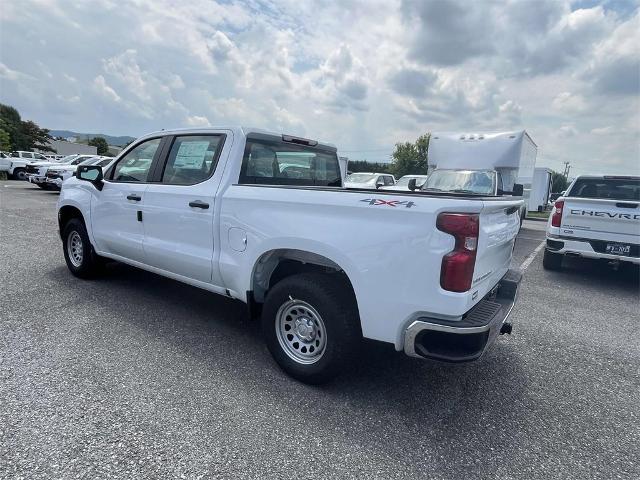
[461, 181]
[66, 160]
[89, 161]
[104, 161]
[611, 188]
[404, 181]
[360, 177]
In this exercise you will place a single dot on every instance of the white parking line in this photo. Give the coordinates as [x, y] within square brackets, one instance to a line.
[527, 261]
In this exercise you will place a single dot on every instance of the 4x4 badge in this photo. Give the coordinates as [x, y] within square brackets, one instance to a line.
[389, 203]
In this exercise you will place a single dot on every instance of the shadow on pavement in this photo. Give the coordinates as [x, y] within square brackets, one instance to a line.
[437, 402]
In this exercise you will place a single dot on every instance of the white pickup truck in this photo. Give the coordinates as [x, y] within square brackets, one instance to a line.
[19, 161]
[264, 218]
[598, 217]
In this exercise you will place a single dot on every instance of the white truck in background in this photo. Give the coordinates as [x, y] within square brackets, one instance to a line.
[264, 218]
[507, 159]
[598, 217]
[19, 160]
[540, 189]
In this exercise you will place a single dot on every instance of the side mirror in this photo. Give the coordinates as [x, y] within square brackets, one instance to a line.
[379, 184]
[500, 192]
[92, 174]
[412, 184]
[518, 190]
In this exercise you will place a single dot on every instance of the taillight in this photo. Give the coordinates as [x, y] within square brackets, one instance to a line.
[456, 272]
[556, 218]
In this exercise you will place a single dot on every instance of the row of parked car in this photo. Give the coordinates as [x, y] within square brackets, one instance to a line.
[382, 181]
[46, 171]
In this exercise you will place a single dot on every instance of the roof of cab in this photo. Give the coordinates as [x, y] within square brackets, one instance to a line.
[236, 129]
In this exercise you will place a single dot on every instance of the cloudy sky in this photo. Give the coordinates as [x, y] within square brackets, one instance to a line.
[363, 74]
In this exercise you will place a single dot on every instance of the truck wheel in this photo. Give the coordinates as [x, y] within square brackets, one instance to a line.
[81, 258]
[552, 261]
[20, 174]
[310, 324]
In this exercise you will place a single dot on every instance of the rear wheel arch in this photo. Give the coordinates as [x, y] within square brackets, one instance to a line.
[275, 265]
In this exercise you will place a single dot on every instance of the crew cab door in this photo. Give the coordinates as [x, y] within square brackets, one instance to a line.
[179, 207]
[115, 220]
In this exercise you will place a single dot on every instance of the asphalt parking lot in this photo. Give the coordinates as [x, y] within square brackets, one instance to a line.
[137, 376]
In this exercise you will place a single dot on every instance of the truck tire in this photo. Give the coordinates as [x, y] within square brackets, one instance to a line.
[311, 326]
[552, 261]
[20, 174]
[81, 258]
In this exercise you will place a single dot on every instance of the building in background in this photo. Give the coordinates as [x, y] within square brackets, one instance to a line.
[63, 147]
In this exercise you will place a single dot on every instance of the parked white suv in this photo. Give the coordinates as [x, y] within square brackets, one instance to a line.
[370, 181]
[598, 217]
[263, 218]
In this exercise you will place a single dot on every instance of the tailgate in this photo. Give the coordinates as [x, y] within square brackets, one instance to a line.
[499, 225]
[601, 219]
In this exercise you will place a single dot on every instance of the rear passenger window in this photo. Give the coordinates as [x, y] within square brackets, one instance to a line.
[276, 162]
[192, 159]
[135, 165]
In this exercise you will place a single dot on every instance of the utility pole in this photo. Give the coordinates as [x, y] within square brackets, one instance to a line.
[567, 167]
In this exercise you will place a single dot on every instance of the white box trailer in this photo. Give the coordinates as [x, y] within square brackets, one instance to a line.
[511, 154]
[540, 189]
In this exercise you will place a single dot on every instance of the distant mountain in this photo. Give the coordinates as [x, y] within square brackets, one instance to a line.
[111, 140]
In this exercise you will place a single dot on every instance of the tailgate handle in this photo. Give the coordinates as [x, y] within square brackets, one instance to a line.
[512, 210]
[626, 205]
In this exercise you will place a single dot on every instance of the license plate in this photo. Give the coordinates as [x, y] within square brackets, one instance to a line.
[618, 249]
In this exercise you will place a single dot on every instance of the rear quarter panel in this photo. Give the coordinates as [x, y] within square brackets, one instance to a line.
[390, 251]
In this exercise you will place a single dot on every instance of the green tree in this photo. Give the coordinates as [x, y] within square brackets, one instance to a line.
[411, 158]
[364, 166]
[101, 145]
[10, 122]
[34, 137]
[5, 141]
[422, 147]
[559, 182]
[23, 135]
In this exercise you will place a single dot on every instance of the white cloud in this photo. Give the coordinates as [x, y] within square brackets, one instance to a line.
[100, 85]
[603, 130]
[568, 102]
[363, 74]
[566, 131]
[198, 121]
[13, 75]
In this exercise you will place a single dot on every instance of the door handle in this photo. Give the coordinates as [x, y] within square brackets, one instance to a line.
[199, 204]
[134, 197]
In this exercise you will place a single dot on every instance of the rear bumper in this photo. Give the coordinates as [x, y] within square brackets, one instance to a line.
[467, 339]
[589, 249]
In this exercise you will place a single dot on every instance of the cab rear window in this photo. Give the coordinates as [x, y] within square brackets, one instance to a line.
[272, 161]
[607, 188]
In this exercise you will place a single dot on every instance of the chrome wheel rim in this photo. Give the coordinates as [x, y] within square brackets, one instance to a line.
[301, 332]
[74, 248]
